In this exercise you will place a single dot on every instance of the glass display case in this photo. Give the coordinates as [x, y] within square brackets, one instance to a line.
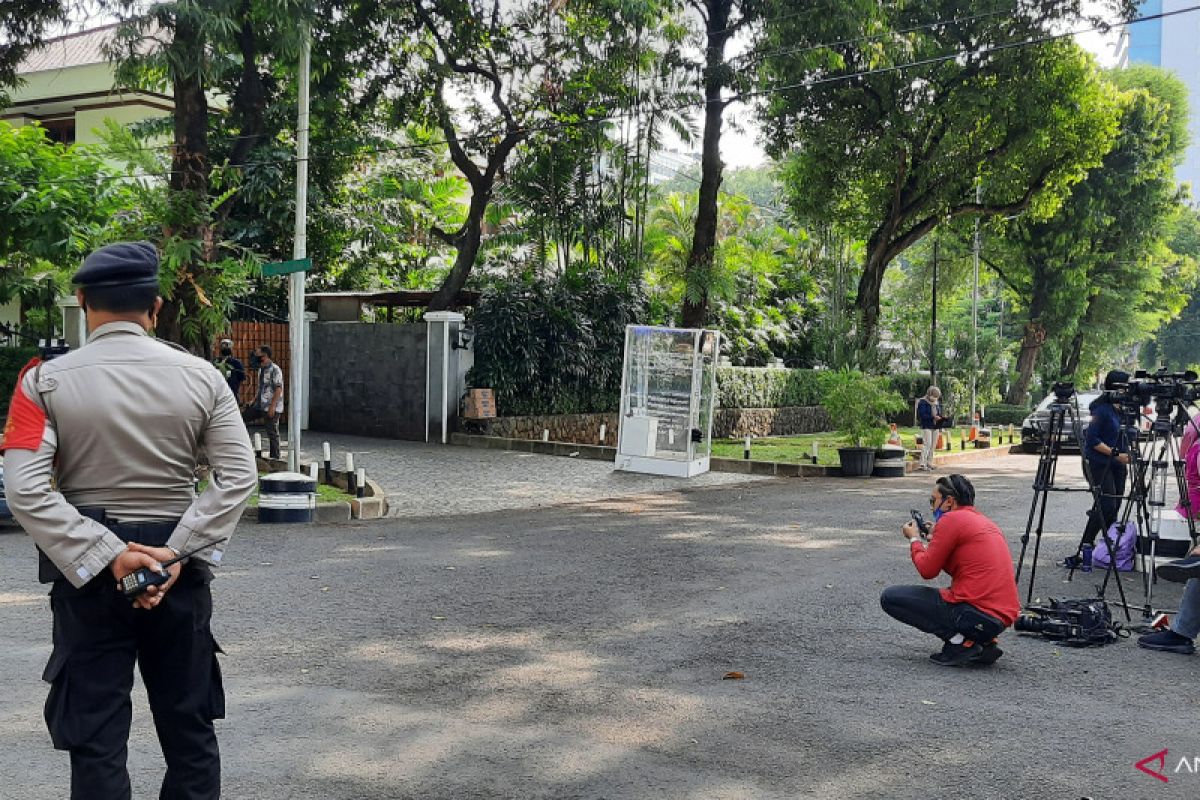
[668, 392]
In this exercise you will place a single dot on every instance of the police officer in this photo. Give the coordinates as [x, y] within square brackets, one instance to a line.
[101, 447]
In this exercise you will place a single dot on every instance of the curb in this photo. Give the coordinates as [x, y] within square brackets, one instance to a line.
[372, 505]
[326, 513]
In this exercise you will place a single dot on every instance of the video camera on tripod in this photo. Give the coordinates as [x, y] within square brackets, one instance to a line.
[1167, 390]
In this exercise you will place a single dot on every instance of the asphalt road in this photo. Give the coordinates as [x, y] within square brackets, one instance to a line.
[578, 652]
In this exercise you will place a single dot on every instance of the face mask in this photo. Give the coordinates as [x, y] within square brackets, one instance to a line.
[937, 513]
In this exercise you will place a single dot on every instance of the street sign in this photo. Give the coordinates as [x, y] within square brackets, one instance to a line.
[285, 267]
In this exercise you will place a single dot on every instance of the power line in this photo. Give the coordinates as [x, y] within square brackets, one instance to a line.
[618, 115]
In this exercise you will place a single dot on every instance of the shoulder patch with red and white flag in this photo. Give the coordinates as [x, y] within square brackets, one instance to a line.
[26, 420]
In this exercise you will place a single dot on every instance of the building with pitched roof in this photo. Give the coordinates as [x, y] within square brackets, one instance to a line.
[68, 87]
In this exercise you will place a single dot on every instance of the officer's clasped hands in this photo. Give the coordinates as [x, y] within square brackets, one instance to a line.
[137, 556]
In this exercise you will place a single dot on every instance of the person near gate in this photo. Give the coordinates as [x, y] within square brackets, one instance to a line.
[101, 446]
[269, 403]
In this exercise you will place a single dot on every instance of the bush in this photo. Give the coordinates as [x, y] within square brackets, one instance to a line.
[857, 406]
[12, 359]
[553, 347]
[1001, 414]
[757, 387]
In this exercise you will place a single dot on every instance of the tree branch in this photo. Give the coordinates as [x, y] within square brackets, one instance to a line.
[1001, 274]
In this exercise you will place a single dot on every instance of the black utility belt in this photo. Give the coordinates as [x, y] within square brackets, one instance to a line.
[151, 534]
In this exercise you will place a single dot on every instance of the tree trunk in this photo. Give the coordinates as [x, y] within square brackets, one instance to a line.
[870, 283]
[1031, 349]
[466, 243]
[250, 98]
[1033, 337]
[1071, 357]
[189, 187]
[698, 273]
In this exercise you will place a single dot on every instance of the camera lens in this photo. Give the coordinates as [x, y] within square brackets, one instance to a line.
[1029, 624]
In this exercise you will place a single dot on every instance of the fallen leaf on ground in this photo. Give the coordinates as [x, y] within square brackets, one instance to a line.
[733, 676]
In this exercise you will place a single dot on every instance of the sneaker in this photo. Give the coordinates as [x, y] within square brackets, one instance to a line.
[1168, 641]
[1180, 571]
[989, 655]
[955, 655]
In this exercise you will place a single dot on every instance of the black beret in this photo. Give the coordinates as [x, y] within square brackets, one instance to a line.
[122, 264]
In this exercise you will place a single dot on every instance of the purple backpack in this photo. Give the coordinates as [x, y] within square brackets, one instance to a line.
[1124, 536]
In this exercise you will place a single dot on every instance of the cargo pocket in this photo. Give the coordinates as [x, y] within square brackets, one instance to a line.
[63, 729]
[216, 686]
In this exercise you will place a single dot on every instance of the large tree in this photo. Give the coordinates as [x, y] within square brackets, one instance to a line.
[723, 19]
[1098, 274]
[925, 112]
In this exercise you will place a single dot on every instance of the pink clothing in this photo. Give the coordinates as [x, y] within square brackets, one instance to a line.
[1191, 473]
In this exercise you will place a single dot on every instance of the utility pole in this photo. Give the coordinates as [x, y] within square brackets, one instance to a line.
[975, 310]
[933, 321]
[299, 250]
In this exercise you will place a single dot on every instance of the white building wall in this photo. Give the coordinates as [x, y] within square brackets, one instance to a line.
[1181, 55]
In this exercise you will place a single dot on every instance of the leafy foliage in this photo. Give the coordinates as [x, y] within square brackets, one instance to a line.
[12, 359]
[906, 142]
[756, 387]
[553, 347]
[858, 405]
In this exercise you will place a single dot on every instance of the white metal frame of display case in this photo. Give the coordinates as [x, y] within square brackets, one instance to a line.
[637, 434]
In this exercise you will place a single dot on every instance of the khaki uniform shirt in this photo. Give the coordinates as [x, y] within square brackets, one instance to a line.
[126, 419]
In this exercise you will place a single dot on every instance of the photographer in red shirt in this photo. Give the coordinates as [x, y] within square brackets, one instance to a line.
[981, 600]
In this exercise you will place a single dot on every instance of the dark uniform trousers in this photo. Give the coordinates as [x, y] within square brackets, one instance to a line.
[98, 635]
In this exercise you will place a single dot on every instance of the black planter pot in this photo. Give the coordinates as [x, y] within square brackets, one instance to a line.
[857, 462]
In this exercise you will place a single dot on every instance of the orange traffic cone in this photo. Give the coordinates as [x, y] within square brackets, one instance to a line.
[974, 428]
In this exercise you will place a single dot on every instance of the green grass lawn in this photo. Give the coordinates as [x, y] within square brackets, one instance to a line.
[798, 449]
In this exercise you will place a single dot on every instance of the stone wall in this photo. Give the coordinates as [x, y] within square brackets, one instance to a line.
[577, 428]
[729, 422]
[368, 379]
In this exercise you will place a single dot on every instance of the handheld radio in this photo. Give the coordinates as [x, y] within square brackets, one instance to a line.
[138, 581]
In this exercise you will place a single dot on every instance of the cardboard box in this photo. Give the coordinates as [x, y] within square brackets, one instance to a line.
[480, 404]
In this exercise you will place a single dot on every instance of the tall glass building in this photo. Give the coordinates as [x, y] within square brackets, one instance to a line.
[1172, 43]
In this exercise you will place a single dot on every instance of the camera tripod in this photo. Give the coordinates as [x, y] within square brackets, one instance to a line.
[1146, 501]
[1065, 407]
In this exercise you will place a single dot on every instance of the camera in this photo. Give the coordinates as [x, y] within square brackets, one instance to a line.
[1074, 622]
[1063, 391]
[922, 525]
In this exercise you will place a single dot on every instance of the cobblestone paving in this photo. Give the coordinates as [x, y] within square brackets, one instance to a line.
[435, 480]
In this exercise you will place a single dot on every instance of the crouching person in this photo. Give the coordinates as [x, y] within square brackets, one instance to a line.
[981, 600]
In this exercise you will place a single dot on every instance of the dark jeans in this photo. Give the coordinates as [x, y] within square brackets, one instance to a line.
[1110, 477]
[98, 636]
[924, 608]
[272, 426]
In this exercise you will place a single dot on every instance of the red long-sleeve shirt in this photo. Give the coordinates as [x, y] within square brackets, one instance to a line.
[972, 551]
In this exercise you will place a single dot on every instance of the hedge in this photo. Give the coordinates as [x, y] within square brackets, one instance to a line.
[12, 359]
[760, 387]
[1002, 414]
